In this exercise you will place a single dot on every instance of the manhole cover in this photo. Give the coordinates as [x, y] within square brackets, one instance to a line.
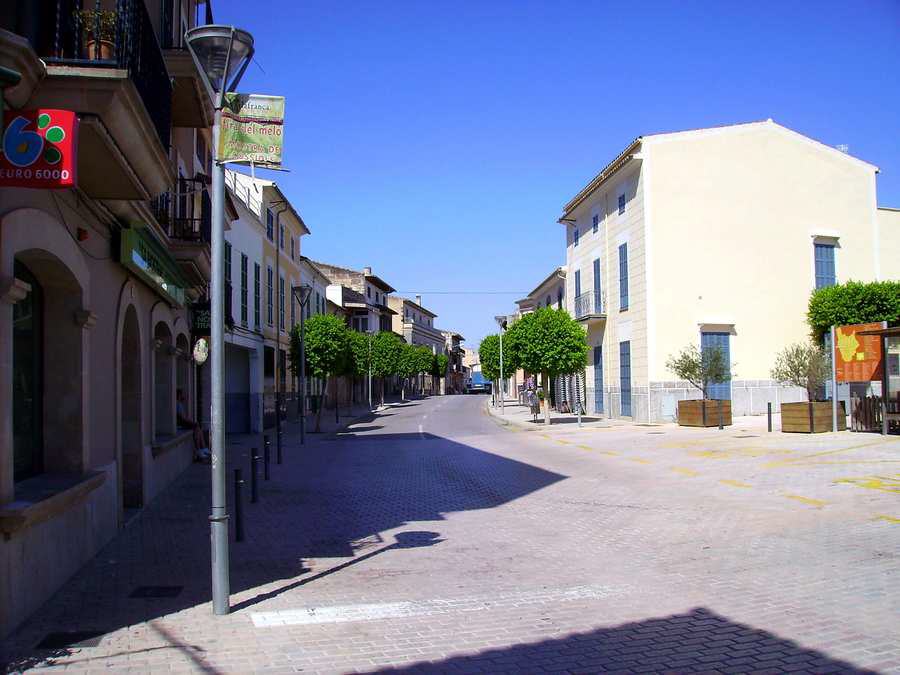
[75, 638]
[156, 591]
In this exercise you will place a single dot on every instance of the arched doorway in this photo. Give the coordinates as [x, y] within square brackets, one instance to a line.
[163, 381]
[28, 380]
[132, 441]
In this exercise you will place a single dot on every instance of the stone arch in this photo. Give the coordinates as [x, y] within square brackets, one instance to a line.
[40, 243]
[163, 350]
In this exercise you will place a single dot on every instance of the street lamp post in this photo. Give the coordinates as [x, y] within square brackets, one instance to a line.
[302, 293]
[501, 320]
[221, 54]
[370, 334]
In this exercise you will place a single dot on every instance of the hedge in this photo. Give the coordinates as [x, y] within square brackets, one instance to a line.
[853, 302]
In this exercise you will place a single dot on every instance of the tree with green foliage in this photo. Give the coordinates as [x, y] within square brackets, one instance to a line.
[700, 367]
[489, 357]
[326, 346]
[408, 366]
[424, 356]
[387, 352]
[547, 341]
[439, 365]
[802, 365]
[851, 303]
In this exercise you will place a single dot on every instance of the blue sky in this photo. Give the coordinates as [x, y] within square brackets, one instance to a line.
[438, 141]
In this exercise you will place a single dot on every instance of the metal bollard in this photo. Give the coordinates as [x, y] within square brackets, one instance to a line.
[266, 457]
[254, 483]
[238, 506]
[719, 405]
[769, 414]
[278, 448]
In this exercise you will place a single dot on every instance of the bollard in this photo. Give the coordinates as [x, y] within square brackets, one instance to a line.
[266, 457]
[254, 484]
[769, 413]
[238, 506]
[266, 441]
[719, 405]
[278, 448]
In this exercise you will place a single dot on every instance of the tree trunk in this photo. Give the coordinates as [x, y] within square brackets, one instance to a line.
[382, 392]
[403, 391]
[546, 378]
[321, 405]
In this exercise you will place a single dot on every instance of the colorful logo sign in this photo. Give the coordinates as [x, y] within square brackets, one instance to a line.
[252, 129]
[857, 358]
[38, 149]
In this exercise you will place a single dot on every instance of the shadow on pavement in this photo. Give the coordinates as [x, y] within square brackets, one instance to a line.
[327, 500]
[699, 640]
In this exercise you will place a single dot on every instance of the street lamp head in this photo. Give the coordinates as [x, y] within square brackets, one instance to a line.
[501, 321]
[221, 54]
[302, 293]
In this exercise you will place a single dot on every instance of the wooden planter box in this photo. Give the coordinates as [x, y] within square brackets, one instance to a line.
[703, 413]
[811, 417]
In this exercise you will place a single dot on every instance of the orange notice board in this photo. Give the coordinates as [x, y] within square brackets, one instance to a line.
[857, 358]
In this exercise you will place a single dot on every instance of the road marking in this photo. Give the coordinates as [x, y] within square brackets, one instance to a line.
[562, 442]
[882, 483]
[393, 610]
[638, 460]
[685, 472]
[818, 503]
[584, 447]
[735, 483]
[611, 453]
[889, 519]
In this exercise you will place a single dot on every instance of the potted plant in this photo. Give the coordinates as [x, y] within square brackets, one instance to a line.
[701, 369]
[806, 365]
[98, 29]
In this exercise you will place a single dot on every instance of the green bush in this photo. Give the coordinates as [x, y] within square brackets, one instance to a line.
[852, 302]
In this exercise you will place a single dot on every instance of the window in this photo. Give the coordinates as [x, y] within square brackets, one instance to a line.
[621, 203]
[256, 295]
[293, 255]
[320, 309]
[244, 289]
[368, 292]
[718, 390]
[595, 223]
[575, 235]
[227, 266]
[548, 300]
[598, 379]
[625, 376]
[281, 303]
[577, 284]
[270, 291]
[824, 259]
[597, 305]
[270, 225]
[623, 277]
[559, 297]
[281, 236]
[293, 311]
[28, 381]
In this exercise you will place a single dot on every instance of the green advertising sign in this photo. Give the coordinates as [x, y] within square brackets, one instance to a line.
[252, 129]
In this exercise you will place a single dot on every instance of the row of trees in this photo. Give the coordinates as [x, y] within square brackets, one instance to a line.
[548, 342]
[333, 350]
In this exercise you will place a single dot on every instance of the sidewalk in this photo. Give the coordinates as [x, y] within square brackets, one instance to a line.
[519, 415]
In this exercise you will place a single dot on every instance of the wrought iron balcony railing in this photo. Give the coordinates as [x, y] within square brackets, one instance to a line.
[109, 34]
[588, 304]
[175, 213]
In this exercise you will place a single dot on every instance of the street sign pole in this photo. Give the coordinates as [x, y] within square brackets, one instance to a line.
[834, 401]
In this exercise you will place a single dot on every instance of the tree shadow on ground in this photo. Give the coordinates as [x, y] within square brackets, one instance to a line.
[565, 420]
[698, 640]
[328, 500]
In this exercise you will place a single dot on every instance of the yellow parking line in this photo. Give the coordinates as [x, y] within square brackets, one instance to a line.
[562, 442]
[685, 472]
[889, 519]
[818, 503]
[735, 483]
[611, 453]
[584, 447]
[882, 483]
[639, 460]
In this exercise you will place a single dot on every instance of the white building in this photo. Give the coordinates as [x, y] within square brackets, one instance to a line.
[714, 237]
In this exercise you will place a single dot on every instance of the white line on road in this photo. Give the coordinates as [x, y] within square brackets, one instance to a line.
[394, 610]
[421, 435]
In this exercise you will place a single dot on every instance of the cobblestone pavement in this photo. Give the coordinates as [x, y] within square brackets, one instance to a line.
[429, 538]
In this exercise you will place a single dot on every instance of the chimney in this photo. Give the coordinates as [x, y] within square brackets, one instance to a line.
[419, 300]
[367, 271]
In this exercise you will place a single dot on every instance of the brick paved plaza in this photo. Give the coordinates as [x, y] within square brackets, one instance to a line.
[431, 538]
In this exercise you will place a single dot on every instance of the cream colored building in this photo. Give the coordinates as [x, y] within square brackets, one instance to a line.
[714, 236]
[415, 323]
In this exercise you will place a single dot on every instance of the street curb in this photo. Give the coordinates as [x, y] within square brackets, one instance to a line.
[530, 426]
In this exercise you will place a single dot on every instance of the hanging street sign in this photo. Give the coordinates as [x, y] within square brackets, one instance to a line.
[857, 358]
[38, 149]
[252, 129]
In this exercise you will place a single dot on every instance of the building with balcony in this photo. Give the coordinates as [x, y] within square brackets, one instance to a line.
[456, 372]
[97, 277]
[363, 294]
[415, 324]
[714, 237]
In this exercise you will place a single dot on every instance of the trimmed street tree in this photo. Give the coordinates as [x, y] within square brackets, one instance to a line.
[489, 356]
[802, 365]
[852, 302]
[359, 348]
[326, 338]
[547, 341]
[423, 364]
[700, 368]
[439, 368]
[409, 366]
[387, 351]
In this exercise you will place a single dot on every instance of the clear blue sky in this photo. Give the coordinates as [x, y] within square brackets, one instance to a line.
[438, 141]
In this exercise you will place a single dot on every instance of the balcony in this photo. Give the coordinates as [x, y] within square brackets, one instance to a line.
[103, 61]
[191, 105]
[589, 307]
[188, 227]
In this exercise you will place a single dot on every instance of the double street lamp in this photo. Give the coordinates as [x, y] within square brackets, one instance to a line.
[501, 321]
[221, 54]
